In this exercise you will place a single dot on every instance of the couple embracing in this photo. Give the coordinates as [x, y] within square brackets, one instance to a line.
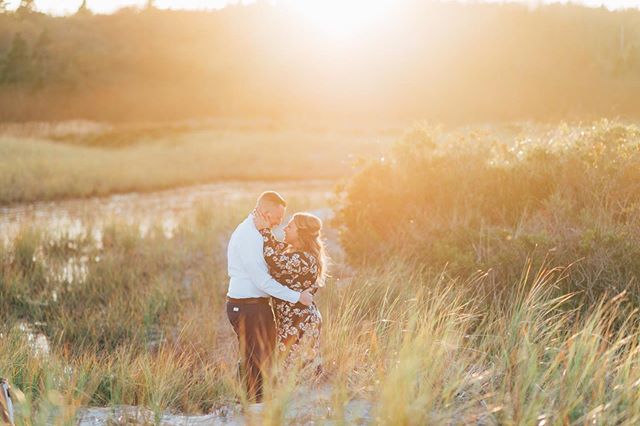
[270, 299]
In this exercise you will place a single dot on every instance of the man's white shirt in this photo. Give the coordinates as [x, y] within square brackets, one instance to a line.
[248, 271]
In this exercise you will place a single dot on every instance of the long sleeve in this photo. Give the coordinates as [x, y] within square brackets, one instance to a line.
[280, 260]
[273, 250]
[256, 269]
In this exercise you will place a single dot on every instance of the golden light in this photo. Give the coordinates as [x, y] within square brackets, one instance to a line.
[343, 19]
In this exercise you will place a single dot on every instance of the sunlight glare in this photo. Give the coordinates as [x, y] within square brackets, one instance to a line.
[342, 19]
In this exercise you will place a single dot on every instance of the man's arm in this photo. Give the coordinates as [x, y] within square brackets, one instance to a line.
[257, 270]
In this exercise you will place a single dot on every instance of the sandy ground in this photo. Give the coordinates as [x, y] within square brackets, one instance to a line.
[308, 407]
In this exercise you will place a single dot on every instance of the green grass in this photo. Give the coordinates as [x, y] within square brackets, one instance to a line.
[49, 165]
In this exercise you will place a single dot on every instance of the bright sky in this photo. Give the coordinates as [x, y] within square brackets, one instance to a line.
[62, 7]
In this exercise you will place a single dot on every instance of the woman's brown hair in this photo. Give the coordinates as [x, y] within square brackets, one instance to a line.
[310, 235]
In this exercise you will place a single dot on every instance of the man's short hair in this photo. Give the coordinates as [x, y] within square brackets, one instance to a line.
[272, 197]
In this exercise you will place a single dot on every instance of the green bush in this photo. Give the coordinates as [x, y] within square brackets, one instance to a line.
[569, 196]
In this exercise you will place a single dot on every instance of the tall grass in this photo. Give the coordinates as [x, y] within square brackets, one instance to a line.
[412, 346]
[433, 351]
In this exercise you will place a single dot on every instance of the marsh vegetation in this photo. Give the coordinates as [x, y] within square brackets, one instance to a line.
[488, 283]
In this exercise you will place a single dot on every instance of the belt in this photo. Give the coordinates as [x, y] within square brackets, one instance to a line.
[248, 300]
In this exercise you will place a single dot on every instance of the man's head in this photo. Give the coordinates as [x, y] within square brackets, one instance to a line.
[273, 206]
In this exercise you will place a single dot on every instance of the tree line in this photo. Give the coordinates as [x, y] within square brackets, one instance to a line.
[439, 61]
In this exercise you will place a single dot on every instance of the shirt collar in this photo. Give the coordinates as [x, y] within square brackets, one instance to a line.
[250, 224]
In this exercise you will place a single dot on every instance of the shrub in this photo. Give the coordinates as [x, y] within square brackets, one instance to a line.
[465, 202]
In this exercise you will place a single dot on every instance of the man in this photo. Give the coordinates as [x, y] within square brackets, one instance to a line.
[250, 287]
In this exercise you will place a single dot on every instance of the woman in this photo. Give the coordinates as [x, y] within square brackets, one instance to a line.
[298, 263]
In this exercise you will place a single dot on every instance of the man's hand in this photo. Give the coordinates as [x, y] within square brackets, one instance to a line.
[260, 220]
[306, 298]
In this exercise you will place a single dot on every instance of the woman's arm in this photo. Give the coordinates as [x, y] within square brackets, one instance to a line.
[280, 259]
[274, 251]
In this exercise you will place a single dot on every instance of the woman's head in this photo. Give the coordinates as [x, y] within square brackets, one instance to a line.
[302, 229]
[304, 232]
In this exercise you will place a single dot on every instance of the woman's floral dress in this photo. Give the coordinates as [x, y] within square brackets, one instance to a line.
[298, 326]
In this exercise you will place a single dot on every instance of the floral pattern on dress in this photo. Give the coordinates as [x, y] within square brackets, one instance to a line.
[298, 326]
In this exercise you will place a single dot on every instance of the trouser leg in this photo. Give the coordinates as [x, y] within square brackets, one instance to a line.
[255, 328]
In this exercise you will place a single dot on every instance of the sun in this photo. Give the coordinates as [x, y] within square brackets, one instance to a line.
[342, 19]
